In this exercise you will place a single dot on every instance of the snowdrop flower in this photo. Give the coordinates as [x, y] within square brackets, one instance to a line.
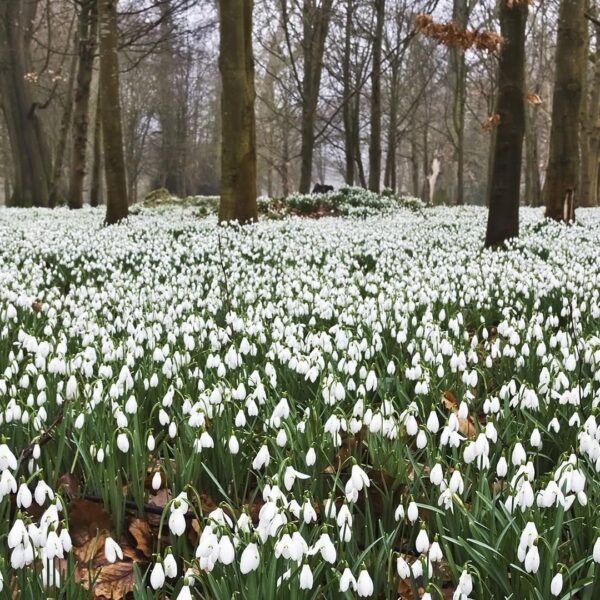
[262, 459]
[290, 475]
[7, 459]
[185, 593]
[502, 467]
[532, 560]
[250, 559]
[556, 585]
[112, 550]
[412, 512]
[24, 497]
[123, 443]
[306, 578]
[157, 576]
[422, 541]
[596, 551]
[364, 584]
[402, 568]
[347, 581]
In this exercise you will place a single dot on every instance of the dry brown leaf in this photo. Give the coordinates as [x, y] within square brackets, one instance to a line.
[86, 519]
[533, 99]
[112, 581]
[140, 531]
[465, 426]
[491, 122]
[68, 484]
[92, 550]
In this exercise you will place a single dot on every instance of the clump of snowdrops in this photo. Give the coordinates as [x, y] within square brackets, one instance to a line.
[375, 407]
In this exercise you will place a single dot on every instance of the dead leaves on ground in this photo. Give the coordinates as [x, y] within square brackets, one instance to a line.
[90, 525]
[465, 426]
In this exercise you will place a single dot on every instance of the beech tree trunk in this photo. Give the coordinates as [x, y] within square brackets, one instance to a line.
[88, 25]
[238, 143]
[591, 154]
[533, 188]
[29, 148]
[57, 193]
[458, 79]
[349, 151]
[507, 149]
[316, 19]
[96, 176]
[563, 163]
[112, 131]
[375, 142]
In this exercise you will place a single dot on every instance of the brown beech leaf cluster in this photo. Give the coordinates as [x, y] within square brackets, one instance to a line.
[453, 36]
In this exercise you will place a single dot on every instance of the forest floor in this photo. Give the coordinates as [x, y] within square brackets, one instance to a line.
[360, 406]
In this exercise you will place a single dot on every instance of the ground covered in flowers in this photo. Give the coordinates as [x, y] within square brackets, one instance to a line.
[321, 409]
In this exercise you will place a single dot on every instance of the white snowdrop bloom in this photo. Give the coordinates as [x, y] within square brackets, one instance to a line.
[519, 456]
[290, 475]
[435, 552]
[403, 568]
[262, 458]
[412, 512]
[24, 496]
[311, 457]
[177, 523]
[7, 459]
[422, 541]
[532, 560]
[347, 581]
[112, 550]
[556, 585]
[151, 443]
[226, 550]
[281, 438]
[456, 484]
[399, 513]
[157, 576]
[364, 584]
[465, 583]
[250, 559]
[306, 578]
[123, 442]
[433, 423]
[596, 551]
[502, 467]
[359, 478]
[156, 481]
[185, 593]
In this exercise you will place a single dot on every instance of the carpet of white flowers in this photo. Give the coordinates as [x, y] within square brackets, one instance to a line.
[302, 409]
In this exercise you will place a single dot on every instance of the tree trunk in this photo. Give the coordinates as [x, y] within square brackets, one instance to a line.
[96, 177]
[589, 180]
[56, 193]
[375, 142]
[533, 190]
[563, 162]
[29, 149]
[458, 79]
[414, 161]
[88, 25]
[238, 150]
[507, 150]
[349, 151]
[316, 21]
[112, 130]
